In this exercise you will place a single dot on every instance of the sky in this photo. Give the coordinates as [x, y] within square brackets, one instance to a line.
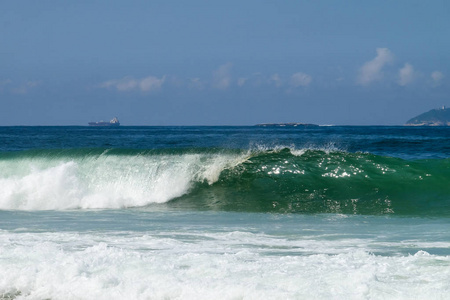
[222, 62]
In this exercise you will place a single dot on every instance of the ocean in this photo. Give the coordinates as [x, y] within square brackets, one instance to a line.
[325, 212]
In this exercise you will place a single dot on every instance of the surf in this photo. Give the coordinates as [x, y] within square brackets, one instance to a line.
[278, 180]
[83, 179]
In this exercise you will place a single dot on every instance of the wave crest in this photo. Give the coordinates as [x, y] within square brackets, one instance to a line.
[104, 180]
[281, 179]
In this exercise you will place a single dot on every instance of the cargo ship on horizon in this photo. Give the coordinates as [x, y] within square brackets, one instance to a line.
[113, 122]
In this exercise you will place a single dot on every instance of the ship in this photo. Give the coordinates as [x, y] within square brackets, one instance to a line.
[113, 122]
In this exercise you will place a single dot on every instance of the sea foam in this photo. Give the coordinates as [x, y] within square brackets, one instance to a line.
[196, 265]
[105, 181]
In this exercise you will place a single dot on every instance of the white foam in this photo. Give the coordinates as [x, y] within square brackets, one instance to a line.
[47, 188]
[327, 148]
[105, 181]
[195, 265]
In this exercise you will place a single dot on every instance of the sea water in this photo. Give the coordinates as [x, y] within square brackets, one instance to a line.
[224, 213]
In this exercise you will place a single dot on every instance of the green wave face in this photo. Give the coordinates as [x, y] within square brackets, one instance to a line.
[315, 181]
[280, 181]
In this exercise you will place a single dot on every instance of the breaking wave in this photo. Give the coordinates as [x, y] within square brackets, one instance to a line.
[280, 180]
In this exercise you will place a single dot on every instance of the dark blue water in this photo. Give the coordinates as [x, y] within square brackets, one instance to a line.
[403, 142]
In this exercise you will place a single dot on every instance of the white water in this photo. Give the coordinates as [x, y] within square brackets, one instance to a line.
[55, 182]
[198, 264]
[105, 181]
[143, 254]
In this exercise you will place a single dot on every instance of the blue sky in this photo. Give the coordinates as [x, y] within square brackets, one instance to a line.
[222, 62]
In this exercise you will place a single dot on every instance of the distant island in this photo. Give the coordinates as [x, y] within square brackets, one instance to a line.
[286, 125]
[434, 117]
[114, 122]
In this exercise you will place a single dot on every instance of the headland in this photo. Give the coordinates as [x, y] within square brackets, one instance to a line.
[434, 117]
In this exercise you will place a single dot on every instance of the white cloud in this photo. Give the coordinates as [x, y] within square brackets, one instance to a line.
[25, 87]
[241, 81]
[32, 84]
[146, 84]
[196, 83]
[276, 79]
[372, 70]
[257, 79]
[151, 83]
[5, 82]
[126, 84]
[437, 77]
[123, 84]
[300, 79]
[222, 77]
[406, 75]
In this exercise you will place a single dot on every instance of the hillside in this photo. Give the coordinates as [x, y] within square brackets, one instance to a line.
[434, 117]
